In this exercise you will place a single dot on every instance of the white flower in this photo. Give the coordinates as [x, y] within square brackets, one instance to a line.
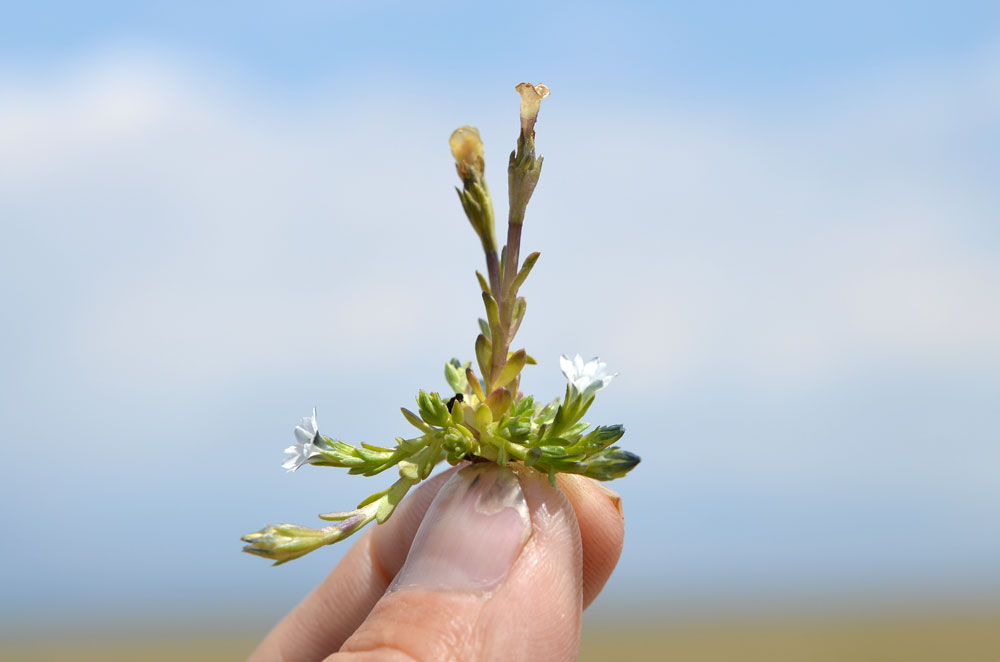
[306, 434]
[531, 101]
[586, 378]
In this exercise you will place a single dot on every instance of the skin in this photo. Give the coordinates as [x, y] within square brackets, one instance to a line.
[533, 614]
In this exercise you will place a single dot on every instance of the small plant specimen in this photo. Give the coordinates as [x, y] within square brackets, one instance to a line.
[485, 417]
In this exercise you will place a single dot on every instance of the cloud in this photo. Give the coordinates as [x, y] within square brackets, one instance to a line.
[175, 237]
[220, 225]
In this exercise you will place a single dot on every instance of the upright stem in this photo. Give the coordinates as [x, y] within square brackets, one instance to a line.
[501, 345]
[513, 255]
[493, 270]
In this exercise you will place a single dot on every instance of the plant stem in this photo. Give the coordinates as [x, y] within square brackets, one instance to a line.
[493, 270]
[513, 255]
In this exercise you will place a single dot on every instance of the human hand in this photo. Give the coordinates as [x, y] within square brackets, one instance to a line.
[477, 564]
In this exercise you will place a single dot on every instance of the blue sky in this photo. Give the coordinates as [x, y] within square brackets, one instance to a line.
[779, 225]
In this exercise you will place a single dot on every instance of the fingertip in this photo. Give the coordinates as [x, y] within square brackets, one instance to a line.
[602, 529]
[441, 607]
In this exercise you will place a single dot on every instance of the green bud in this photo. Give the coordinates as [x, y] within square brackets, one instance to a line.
[432, 409]
[609, 464]
[454, 374]
[408, 470]
[284, 542]
[599, 438]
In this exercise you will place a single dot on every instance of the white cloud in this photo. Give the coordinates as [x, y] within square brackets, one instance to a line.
[168, 231]
[232, 226]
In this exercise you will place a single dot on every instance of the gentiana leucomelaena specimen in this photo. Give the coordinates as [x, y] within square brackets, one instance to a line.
[484, 416]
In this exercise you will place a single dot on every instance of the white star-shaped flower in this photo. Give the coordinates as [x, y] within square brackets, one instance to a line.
[306, 434]
[586, 378]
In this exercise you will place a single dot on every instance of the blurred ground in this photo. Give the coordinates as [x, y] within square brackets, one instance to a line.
[969, 637]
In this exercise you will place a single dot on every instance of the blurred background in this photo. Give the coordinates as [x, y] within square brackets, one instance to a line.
[779, 223]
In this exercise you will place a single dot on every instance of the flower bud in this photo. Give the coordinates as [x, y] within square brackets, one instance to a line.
[610, 463]
[467, 148]
[284, 542]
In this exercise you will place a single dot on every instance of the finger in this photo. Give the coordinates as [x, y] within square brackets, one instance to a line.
[327, 617]
[495, 572]
[602, 529]
[321, 623]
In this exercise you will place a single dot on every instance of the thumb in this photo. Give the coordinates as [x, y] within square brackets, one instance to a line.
[494, 573]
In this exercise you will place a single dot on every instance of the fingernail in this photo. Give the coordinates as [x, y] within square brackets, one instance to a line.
[472, 534]
[616, 499]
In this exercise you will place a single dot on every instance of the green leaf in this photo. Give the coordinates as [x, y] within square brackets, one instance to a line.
[499, 402]
[415, 420]
[517, 315]
[485, 328]
[391, 500]
[492, 315]
[515, 362]
[522, 275]
[477, 387]
[524, 407]
[483, 417]
[483, 285]
[484, 355]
